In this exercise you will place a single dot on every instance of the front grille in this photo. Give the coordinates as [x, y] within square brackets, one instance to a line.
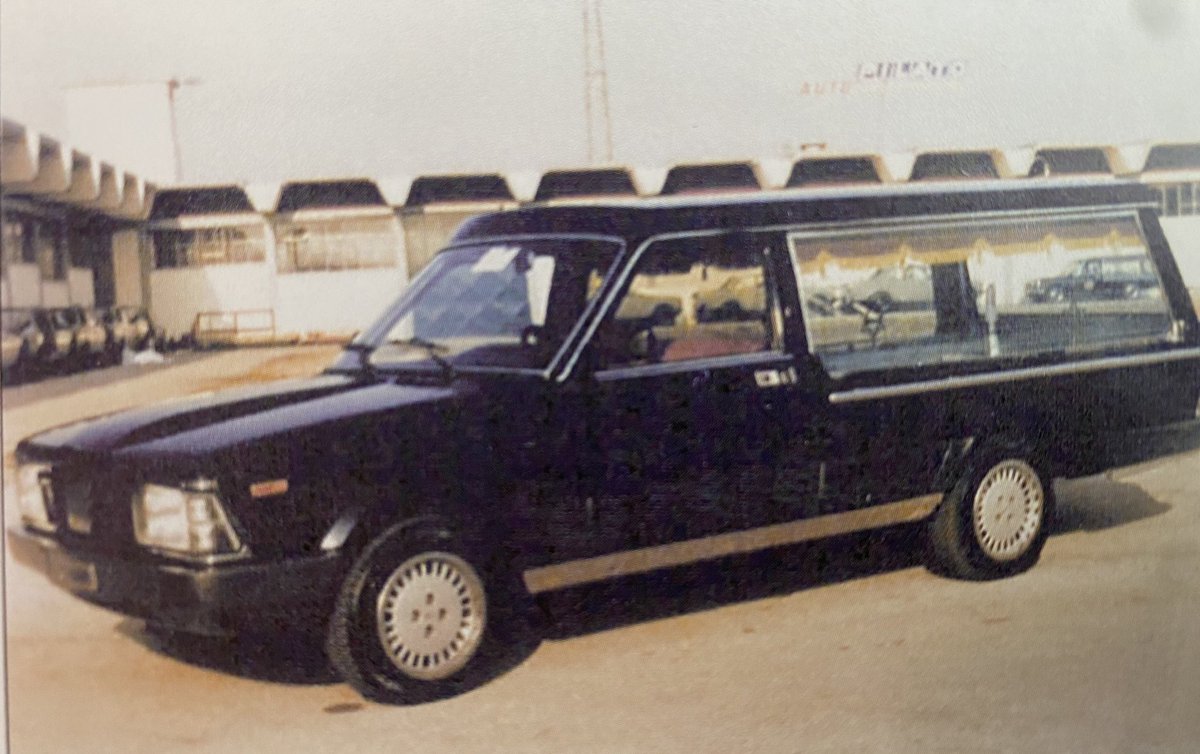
[89, 507]
[74, 497]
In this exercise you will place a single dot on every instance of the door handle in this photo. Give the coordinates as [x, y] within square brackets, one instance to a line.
[769, 378]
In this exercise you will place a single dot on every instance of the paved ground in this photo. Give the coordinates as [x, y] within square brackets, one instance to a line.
[845, 646]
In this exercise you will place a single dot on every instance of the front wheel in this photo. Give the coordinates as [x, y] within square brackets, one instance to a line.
[994, 522]
[421, 618]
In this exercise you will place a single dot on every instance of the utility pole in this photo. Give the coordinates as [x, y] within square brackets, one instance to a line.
[172, 86]
[595, 86]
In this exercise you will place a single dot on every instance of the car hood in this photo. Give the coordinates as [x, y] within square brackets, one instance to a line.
[218, 421]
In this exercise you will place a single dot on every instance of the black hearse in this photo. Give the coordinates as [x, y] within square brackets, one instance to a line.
[580, 392]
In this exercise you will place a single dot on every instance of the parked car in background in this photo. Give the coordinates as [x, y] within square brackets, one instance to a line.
[122, 330]
[1094, 279]
[58, 339]
[22, 341]
[91, 337]
[136, 322]
[896, 287]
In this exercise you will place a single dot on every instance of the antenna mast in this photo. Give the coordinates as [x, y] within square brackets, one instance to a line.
[595, 86]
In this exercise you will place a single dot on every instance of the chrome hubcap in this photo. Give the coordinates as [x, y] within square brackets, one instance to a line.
[1009, 505]
[431, 615]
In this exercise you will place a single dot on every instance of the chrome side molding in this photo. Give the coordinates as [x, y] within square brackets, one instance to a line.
[1014, 375]
[628, 562]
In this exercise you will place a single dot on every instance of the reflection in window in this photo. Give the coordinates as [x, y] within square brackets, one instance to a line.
[494, 305]
[690, 299]
[910, 296]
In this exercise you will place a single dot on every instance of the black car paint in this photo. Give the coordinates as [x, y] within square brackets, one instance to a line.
[567, 462]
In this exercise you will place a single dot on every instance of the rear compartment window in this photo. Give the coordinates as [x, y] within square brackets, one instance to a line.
[929, 294]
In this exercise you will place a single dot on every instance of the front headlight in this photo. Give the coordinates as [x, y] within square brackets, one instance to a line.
[190, 521]
[33, 485]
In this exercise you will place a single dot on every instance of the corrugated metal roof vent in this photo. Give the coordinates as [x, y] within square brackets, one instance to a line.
[722, 176]
[1069, 162]
[321, 194]
[458, 188]
[211, 200]
[952, 165]
[824, 171]
[567, 183]
[1174, 157]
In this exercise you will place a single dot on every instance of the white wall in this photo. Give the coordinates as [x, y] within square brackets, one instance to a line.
[81, 286]
[177, 295]
[23, 285]
[127, 268]
[338, 302]
[56, 293]
[1184, 235]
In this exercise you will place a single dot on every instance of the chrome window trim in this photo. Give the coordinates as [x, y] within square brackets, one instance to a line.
[756, 358]
[1014, 375]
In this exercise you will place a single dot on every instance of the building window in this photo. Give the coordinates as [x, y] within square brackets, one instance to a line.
[953, 292]
[207, 246]
[13, 241]
[37, 241]
[345, 244]
[1177, 199]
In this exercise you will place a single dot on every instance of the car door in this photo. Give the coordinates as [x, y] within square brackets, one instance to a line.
[685, 427]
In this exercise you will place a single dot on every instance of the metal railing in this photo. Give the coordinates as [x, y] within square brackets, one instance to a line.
[234, 327]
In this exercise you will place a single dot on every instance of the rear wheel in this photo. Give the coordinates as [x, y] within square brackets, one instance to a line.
[421, 617]
[993, 523]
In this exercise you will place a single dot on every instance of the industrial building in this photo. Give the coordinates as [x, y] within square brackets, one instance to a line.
[318, 259]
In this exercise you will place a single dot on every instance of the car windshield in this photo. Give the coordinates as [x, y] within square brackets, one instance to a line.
[501, 304]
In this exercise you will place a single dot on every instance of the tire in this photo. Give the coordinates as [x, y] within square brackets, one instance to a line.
[994, 522]
[392, 633]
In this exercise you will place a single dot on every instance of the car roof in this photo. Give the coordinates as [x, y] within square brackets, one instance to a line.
[636, 217]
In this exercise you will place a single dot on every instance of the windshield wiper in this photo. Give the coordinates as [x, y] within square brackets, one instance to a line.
[432, 349]
[363, 352]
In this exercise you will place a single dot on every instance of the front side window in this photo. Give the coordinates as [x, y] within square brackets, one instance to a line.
[918, 295]
[690, 299]
[502, 304]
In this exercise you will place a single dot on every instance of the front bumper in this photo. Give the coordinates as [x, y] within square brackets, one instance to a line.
[217, 600]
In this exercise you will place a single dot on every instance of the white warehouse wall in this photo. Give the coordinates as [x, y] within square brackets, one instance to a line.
[1183, 233]
[336, 302]
[56, 293]
[178, 295]
[81, 286]
[22, 285]
[127, 268]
